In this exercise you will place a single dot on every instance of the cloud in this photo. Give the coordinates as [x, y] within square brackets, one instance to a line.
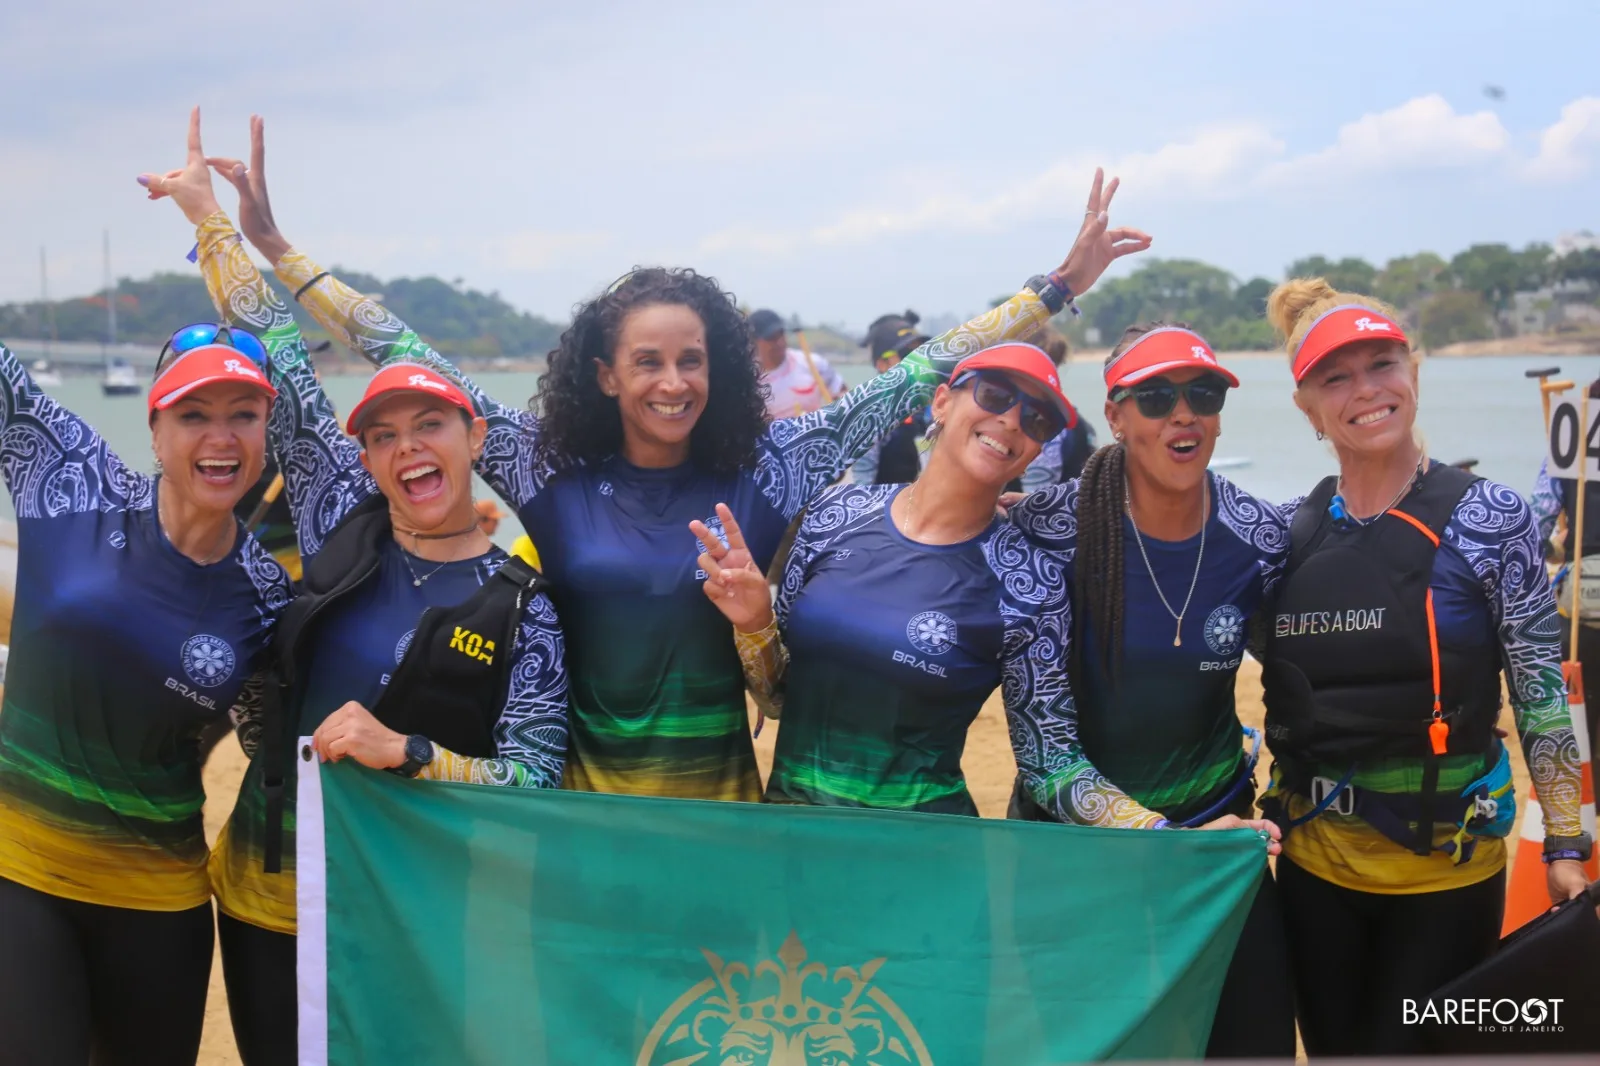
[531, 249]
[1221, 162]
[1424, 133]
[1566, 146]
[1213, 163]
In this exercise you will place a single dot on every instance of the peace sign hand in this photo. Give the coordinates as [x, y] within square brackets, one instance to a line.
[255, 209]
[733, 581]
[190, 187]
[1098, 245]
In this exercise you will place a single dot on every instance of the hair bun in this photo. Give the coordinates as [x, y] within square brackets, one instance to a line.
[1290, 301]
[912, 318]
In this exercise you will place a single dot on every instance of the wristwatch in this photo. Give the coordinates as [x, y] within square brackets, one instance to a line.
[1579, 847]
[1052, 291]
[419, 753]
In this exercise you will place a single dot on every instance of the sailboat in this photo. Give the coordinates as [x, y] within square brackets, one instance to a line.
[44, 375]
[120, 378]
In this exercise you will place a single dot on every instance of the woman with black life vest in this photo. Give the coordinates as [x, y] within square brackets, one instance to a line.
[649, 415]
[1167, 563]
[1410, 586]
[414, 646]
[142, 608]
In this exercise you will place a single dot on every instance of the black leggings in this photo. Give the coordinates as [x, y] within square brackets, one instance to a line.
[78, 980]
[1255, 1015]
[259, 967]
[1357, 955]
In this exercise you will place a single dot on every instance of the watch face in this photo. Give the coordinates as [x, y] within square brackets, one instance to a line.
[419, 750]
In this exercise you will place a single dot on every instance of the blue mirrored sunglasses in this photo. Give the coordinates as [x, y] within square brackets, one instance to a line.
[203, 333]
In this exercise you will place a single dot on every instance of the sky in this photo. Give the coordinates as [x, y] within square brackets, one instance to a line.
[832, 160]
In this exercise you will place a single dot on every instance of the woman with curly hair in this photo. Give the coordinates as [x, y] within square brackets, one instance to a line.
[651, 412]
[1411, 588]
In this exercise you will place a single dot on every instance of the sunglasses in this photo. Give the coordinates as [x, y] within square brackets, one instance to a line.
[1040, 419]
[1158, 397]
[201, 334]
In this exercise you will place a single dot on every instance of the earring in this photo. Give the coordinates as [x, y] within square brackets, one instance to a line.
[934, 430]
[1118, 436]
[159, 470]
[1321, 435]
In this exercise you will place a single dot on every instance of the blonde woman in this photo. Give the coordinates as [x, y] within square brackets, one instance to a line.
[1410, 587]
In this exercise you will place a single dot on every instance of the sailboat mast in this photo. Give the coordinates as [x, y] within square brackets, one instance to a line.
[46, 313]
[111, 296]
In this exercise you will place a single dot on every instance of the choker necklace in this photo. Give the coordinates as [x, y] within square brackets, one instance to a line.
[1205, 506]
[439, 536]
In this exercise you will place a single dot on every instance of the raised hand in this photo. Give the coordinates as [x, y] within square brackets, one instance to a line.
[733, 581]
[1098, 245]
[255, 209]
[189, 187]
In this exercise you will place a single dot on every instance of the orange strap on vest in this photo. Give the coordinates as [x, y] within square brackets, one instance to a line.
[1439, 731]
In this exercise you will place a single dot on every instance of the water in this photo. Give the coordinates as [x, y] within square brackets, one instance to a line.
[1481, 408]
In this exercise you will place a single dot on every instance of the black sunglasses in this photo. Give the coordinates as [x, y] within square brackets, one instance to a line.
[1040, 419]
[1158, 397]
[203, 333]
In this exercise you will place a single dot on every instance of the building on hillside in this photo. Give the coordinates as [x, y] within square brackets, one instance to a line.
[1564, 305]
[1575, 241]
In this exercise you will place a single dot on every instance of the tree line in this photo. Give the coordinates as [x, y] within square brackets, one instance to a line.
[462, 321]
[1442, 301]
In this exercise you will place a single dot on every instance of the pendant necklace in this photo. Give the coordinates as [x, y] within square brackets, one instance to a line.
[1127, 504]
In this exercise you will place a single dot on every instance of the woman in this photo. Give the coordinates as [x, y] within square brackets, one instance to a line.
[1410, 586]
[651, 413]
[388, 529]
[141, 609]
[1168, 562]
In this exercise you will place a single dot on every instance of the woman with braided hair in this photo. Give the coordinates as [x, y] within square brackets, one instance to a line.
[1167, 562]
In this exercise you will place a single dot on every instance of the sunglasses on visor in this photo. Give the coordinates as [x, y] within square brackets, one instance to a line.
[1158, 397]
[995, 393]
[203, 333]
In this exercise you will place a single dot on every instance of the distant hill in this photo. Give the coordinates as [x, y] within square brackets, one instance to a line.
[460, 322]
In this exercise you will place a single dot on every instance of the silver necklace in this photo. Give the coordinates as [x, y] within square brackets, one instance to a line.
[1338, 498]
[1205, 505]
[405, 557]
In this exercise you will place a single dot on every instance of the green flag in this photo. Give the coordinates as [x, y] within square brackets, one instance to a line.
[445, 923]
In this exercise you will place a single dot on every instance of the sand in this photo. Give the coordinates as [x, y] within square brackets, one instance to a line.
[989, 767]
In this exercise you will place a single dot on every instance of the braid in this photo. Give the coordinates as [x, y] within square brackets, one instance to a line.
[1097, 576]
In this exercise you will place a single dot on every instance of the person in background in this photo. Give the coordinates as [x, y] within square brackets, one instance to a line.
[1555, 507]
[797, 384]
[1063, 456]
[897, 458]
[1411, 588]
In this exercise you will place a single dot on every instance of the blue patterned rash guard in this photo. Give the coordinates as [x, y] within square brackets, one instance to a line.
[122, 651]
[657, 699]
[893, 648]
[1163, 728]
[358, 644]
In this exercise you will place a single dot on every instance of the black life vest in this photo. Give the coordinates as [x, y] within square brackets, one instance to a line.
[1349, 672]
[1591, 516]
[450, 685]
[898, 461]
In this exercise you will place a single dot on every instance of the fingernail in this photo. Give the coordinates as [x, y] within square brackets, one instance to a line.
[142, 180]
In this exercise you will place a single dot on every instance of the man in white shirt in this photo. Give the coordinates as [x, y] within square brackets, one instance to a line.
[797, 386]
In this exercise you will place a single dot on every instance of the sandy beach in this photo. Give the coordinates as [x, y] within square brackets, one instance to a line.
[988, 764]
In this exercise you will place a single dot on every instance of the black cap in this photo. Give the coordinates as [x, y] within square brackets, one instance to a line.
[894, 333]
[765, 324]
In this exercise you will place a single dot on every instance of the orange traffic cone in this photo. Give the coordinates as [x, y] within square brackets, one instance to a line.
[1526, 895]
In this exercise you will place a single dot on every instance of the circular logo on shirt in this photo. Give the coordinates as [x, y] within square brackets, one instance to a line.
[931, 632]
[404, 646]
[117, 540]
[208, 660]
[1224, 630]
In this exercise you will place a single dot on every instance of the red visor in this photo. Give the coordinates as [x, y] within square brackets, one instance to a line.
[404, 377]
[1023, 360]
[1345, 324]
[1161, 350]
[206, 365]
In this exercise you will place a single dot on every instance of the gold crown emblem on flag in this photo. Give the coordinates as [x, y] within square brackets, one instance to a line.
[787, 1012]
